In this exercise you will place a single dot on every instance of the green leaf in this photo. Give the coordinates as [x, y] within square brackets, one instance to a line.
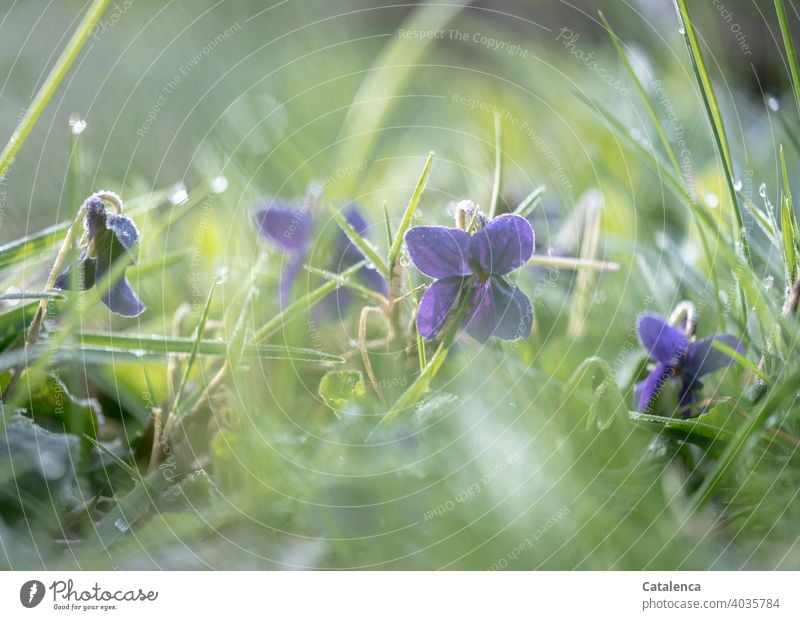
[341, 388]
[37, 469]
[411, 209]
[710, 430]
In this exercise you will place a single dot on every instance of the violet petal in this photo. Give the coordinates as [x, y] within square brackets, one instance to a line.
[121, 299]
[663, 343]
[436, 304]
[439, 252]
[704, 358]
[287, 227]
[651, 387]
[505, 244]
[80, 277]
[498, 309]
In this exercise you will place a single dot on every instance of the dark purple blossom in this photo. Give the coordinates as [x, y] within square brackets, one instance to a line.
[677, 358]
[109, 238]
[475, 266]
[291, 229]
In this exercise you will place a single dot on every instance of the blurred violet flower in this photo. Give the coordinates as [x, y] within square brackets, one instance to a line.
[291, 229]
[676, 357]
[474, 265]
[108, 238]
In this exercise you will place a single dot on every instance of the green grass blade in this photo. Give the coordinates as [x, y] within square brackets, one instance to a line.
[305, 303]
[411, 209]
[392, 70]
[791, 54]
[51, 84]
[740, 359]
[201, 328]
[362, 244]
[788, 226]
[349, 284]
[497, 183]
[162, 346]
[531, 201]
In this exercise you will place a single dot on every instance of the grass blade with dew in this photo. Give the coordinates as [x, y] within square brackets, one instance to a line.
[531, 201]
[305, 303]
[364, 246]
[740, 359]
[408, 216]
[51, 84]
[160, 346]
[497, 182]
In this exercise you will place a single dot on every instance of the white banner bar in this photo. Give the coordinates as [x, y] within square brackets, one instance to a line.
[401, 596]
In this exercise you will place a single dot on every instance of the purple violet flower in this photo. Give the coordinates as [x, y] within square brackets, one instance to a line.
[109, 237]
[474, 265]
[291, 229]
[676, 357]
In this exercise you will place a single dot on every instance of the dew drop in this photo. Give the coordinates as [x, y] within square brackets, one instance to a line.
[219, 184]
[121, 525]
[681, 30]
[773, 103]
[712, 200]
[768, 282]
[737, 185]
[13, 291]
[762, 190]
[179, 195]
[76, 125]
[636, 134]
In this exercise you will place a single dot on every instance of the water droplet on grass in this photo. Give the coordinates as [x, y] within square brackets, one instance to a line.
[773, 103]
[178, 195]
[681, 30]
[76, 125]
[737, 185]
[712, 200]
[13, 291]
[762, 190]
[768, 282]
[219, 184]
[121, 525]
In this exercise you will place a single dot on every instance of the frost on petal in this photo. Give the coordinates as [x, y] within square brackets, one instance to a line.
[648, 389]
[94, 219]
[439, 252]
[505, 244]
[124, 229]
[663, 343]
[121, 299]
[704, 357]
[436, 304]
[498, 309]
[287, 227]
